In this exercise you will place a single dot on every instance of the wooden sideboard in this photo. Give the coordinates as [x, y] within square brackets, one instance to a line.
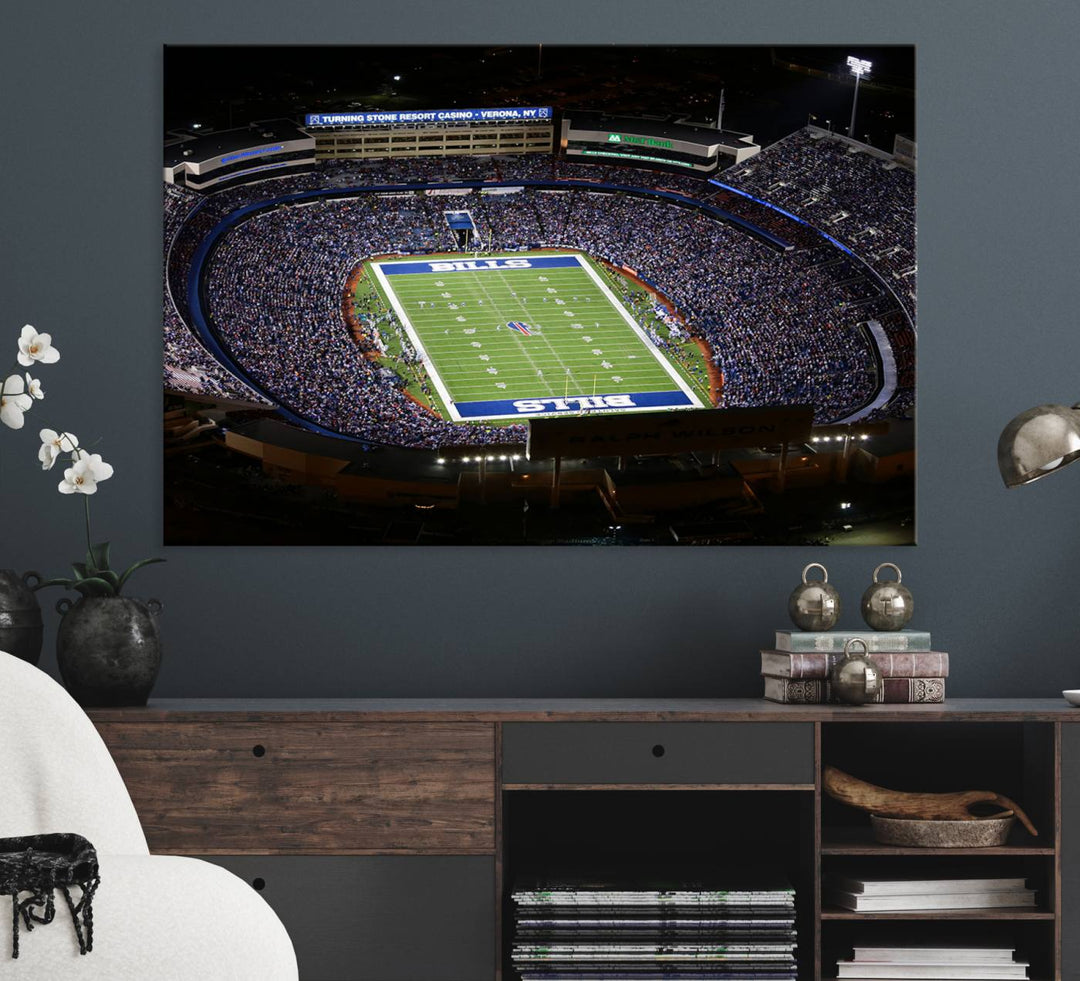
[387, 833]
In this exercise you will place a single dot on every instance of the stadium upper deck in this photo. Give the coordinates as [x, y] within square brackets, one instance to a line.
[251, 151]
[659, 142]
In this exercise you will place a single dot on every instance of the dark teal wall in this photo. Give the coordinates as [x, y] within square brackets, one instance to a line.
[996, 575]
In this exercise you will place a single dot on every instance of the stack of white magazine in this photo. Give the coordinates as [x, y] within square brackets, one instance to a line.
[881, 895]
[933, 964]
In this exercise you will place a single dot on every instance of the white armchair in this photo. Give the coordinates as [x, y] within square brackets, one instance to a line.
[156, 918]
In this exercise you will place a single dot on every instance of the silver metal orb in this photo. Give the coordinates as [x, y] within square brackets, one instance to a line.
[887, 605]
[814, 605]
[856, 680]
[1037, 442]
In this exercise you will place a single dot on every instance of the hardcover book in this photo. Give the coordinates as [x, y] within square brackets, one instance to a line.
[895, 691]
[968, 971]
[833, 641]
[918, 887]
[935, 955]
[816, 664]
[979, 900]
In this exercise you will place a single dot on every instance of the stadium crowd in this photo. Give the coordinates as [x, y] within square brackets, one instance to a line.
[861, 200]
[186, 365]
[275, 287]
[782, 326]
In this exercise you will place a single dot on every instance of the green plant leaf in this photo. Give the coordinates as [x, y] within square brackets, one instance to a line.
[94, 587]
[66, 583]
[79, 568]
[111, 578]
[132, 569]
[97, 559]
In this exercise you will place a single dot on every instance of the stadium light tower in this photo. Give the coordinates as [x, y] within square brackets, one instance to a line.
[858, 68]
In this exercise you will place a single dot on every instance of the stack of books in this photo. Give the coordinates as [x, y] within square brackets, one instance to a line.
[796, 670]
[580, 931]
[939, 963]
[897, 893]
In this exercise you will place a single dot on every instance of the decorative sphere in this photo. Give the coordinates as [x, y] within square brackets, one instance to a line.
[814, 605]
[887, 605]
[855, 679]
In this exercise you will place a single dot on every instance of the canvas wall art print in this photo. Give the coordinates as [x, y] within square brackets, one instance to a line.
[535, 294]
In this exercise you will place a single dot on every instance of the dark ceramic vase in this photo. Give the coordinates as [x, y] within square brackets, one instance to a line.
[21, 629]
[108, 649]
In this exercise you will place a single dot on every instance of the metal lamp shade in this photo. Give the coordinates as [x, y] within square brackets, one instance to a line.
[1037, 442]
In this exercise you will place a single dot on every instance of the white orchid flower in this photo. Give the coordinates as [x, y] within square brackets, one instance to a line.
[85, 474]
[33, 387]
[53, 444]
[14, 401]
[36, 347]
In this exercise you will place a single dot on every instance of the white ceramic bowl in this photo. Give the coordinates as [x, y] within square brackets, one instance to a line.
[1072, 696]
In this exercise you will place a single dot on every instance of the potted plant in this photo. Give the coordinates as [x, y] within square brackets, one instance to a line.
[108, 646]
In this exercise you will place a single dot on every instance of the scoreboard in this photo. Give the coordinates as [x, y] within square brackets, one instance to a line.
[432, 132]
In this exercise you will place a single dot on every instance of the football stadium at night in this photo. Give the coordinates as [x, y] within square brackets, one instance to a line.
[478, 295]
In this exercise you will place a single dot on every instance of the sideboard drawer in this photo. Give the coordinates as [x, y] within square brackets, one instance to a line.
[381, 917]
[698, 753]
[230, 788]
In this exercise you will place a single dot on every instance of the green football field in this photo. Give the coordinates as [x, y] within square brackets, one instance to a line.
[527, 334]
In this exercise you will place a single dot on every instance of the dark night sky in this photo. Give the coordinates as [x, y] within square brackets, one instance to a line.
[231, 85]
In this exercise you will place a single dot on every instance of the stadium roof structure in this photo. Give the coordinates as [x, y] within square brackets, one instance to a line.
[197, 148]
[669, 129]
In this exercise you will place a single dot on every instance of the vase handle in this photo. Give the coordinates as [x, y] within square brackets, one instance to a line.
[64, 604]
[155, 607]
[27, 576]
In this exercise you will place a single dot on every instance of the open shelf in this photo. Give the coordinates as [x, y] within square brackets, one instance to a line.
[1015, 759]
[709, 836]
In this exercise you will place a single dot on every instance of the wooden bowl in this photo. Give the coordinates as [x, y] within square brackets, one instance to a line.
[913, 832]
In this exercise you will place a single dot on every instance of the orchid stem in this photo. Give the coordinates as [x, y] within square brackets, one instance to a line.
[89, 547]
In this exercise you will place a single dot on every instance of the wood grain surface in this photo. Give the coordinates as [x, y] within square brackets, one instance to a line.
[214, 787]
[280, 710]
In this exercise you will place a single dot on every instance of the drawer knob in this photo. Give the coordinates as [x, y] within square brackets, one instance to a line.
[658, 750]
[258, 883]
[258, 750]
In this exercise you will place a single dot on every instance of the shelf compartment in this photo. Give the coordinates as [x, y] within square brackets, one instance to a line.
[703, 835]
[1033, 939]
[1011, 758]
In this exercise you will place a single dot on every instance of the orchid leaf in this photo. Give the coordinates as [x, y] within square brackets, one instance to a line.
[94, 587]
[80, 570]
[111, 578]
[97, 559]
[66, 583]
[134, 568]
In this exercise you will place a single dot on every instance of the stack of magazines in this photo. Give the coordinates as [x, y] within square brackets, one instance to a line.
[600, 931]
[906, 893]
[940, 963]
